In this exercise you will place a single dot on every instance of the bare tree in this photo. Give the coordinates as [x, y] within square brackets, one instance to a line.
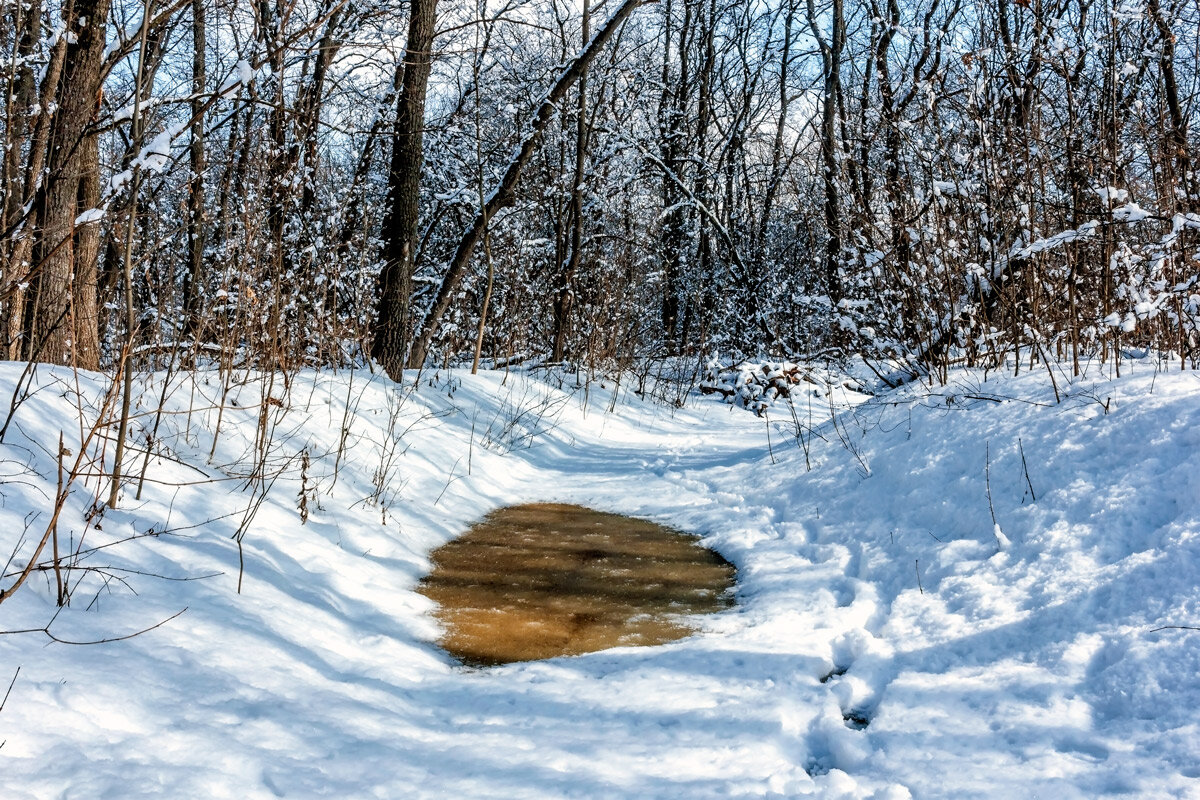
[502, 195]
[390, 341]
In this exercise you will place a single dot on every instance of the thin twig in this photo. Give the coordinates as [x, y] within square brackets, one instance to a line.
[1174, 628]
[449, 481]
[1025, 464]
[987, 478]
[58, 580]
[46, 630]
[770, 451]
[11, 684]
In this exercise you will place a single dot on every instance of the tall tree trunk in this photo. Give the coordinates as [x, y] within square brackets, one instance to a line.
[20, 97]
[87, 252]
[831, 57]
[563, 292]
[672, 142]
[1177, 133]
[889, 118]
[778, 163]
[704, 272]
[271, 20]
[400, 230]
[60, 313]
[25, 230]
[196, 238]
[311, 100]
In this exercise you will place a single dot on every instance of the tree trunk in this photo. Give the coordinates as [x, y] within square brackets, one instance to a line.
[1177, 134]
[312, 99]
[563, 292]
[271, 22]
[831, 56]
[195, 205]
[60, 313]
[400, 230]
[20, 225]
[672, 136]
[20, 96]
[87, 252]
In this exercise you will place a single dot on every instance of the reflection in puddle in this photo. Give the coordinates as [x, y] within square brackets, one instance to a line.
[544, 580]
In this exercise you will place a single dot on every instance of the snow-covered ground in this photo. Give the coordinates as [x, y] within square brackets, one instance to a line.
[889, 639]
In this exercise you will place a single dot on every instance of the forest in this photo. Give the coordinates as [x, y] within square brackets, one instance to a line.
[834, 364]
[294, 183]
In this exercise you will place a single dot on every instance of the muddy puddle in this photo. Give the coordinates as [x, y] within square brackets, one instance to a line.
[543, 580]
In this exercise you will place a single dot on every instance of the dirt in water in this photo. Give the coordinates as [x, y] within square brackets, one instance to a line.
[543, 580]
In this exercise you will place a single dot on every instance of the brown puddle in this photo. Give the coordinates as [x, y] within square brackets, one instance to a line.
[543, 580]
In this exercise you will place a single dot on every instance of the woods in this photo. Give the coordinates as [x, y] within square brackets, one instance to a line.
[895, 304]
[320, 182]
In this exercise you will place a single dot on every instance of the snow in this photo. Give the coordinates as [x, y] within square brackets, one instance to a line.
[1002, 542]
[1181, 221]
[118, 181]
[90, 216]
[242, 75]
[1084, 231]
[1130, 212]
[156, 155]
[954, 188]
[890, 641]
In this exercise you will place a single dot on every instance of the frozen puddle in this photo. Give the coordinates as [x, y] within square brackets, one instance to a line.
[543, 580]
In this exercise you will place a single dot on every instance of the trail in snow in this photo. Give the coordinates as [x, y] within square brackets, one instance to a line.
[882, 646]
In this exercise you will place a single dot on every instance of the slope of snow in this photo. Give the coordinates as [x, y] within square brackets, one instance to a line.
[890, 640]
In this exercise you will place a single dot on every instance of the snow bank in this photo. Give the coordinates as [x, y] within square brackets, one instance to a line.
[884, 645]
